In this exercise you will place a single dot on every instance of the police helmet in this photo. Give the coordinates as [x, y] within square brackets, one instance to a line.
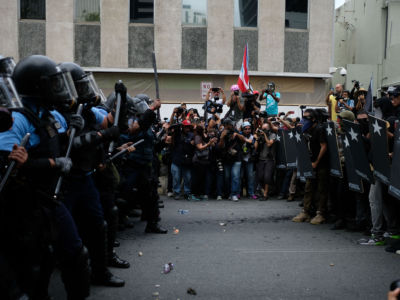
[7, 65]
[136, 106]
[144, 97]
[85, 84]
[40, 79]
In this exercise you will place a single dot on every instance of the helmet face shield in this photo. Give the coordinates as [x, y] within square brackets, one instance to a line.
[61, 90]
[7, 66]
[140, 105]
[88, 91]
[8, 94]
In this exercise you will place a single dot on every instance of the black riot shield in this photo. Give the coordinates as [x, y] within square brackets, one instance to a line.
[290, 149]
[355, 182]
[304, 166]
[379, 149]
[358, 151]
[333, 150]
[394, 185]
[280, 151]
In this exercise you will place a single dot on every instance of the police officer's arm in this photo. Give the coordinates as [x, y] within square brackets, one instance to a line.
[19, 154]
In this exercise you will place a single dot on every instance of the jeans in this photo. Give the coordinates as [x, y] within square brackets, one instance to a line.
[232, 177]
[381, 207]
[286, 182]
[214, 175]
[248, 169]
[179, 172]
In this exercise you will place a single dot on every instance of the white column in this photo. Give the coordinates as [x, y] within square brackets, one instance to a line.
[168, 33]
[321, 39]
[9, 28]
[60, 30]
[114, 33]
[271, 35]
[220, 35]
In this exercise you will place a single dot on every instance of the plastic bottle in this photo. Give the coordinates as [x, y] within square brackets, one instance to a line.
[168, 268]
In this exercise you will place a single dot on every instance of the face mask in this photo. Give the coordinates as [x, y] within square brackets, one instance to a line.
[363, 126]
[306, 124]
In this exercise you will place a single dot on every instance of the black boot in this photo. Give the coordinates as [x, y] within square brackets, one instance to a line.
[75, 273]
[98, 258]
[153, 227]
[116, 262]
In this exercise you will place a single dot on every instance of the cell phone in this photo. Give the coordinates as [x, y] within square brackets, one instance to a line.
[332, 89]
[215, 89]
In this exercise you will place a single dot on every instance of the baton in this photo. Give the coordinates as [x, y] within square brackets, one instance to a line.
[71, 139]
[12, 164]
[118, 154]
[156, 82]
[116, 120]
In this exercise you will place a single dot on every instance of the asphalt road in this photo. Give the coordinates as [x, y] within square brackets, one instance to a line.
[246, 250]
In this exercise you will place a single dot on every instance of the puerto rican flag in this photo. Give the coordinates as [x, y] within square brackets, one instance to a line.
[243, 81]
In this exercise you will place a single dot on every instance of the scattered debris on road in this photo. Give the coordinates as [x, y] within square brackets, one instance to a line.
[168, 268]
[183, 211]
[140, 253]
[176, 231]
[191, 291]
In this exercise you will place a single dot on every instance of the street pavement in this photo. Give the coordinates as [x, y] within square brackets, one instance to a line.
[246, 250]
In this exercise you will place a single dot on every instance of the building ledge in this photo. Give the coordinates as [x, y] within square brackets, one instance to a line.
[205, 72]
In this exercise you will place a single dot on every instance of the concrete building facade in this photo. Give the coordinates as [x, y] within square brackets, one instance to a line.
[367, 43]
[113, 45]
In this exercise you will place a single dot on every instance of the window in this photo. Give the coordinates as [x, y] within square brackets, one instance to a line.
[142, 11]
[33, 9]
[87, 10]
[194, 12]
[296, 14]
[245, 13]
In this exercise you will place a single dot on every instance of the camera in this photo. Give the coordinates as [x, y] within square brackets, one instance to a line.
[356, 84]
[179, 110]
[215, 89]
[218, 107]
[303, 106]
[236, 93]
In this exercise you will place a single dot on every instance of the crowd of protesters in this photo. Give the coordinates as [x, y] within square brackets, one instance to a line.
[233, 156]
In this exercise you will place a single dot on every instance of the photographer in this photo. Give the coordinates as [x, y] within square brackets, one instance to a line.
[251, 105]
[346, 103]
[332, 101]
[272, 99]
[177, 115]
[182, 148]
[265, 145]
[231, 145]
[236, 106]
[214, 103]
[249, 150]
[201, 183]
[360, 100]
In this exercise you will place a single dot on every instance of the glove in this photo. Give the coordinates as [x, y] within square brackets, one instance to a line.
[120, 88]
[111, 133]
[64, 164]
[77, 121]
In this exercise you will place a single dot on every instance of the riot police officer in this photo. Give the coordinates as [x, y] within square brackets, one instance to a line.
[81, 196]
[138, 168]
[33, 223]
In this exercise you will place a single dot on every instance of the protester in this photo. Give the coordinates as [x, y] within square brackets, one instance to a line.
[332, 101]
[272, 99]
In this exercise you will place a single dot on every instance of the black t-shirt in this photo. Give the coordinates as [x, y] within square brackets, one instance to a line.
[386, 107]
[233, 148]
[249, 108]
[318, 136]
